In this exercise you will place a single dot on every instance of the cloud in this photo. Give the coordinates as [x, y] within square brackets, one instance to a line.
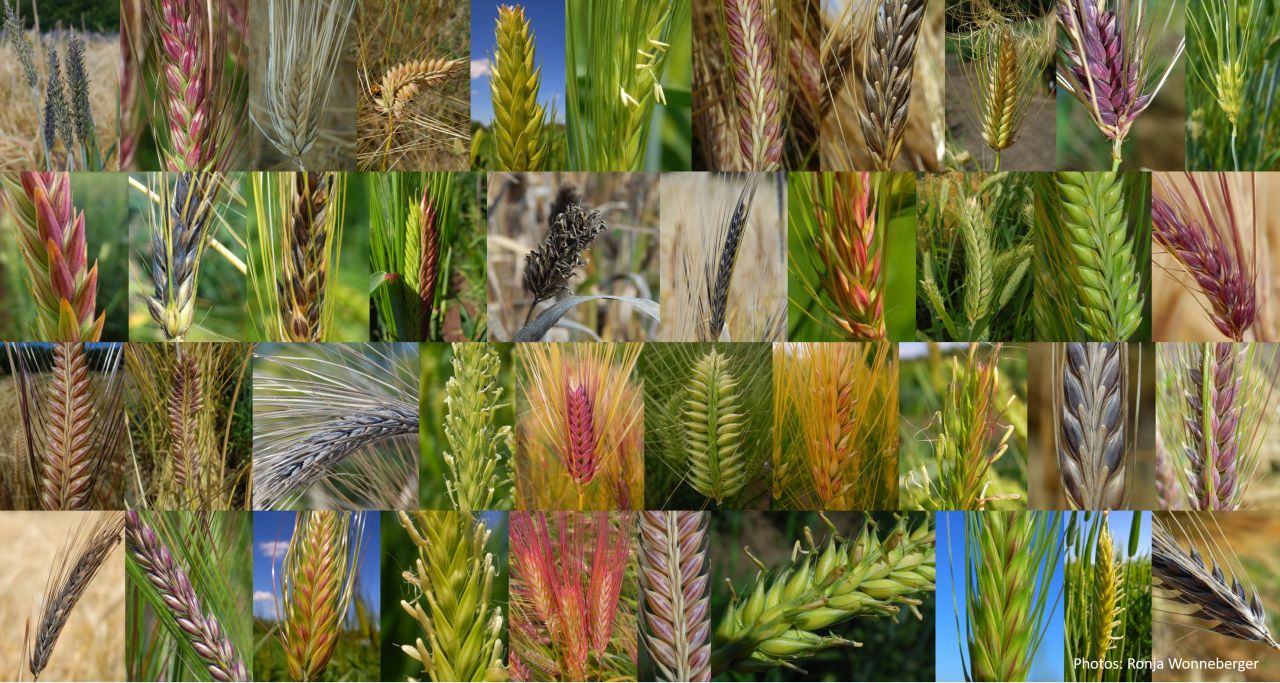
[274, 548]
[480, 68]
[263, 596]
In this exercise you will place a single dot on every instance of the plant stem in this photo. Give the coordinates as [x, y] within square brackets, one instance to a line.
[1235, 160]
[1115, 154]
[997, 168]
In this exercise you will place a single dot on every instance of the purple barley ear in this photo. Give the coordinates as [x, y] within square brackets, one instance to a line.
[581, 458]
[1203, 232]
[1108, 62]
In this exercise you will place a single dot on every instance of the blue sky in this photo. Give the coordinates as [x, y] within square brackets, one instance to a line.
[1047, 665]
[546, 19]
[271, 533]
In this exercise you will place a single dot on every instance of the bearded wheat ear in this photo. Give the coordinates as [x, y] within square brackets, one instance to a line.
[74, 567]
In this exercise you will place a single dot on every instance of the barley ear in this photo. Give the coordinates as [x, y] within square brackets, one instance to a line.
[518, 119]
[451, 584]
[756, 83]
[1205, 588]
[886, 77]
[69, 456]
[1108, 289]
[786, 615]
[475, 471]
[674, 576]
[185, 400]
[201, 629]
[73, 569]
[1091, 427]
[1106, 595]
[1011, 560]
[713, 423]
[304, 270]
[319, 579]
[178, 243]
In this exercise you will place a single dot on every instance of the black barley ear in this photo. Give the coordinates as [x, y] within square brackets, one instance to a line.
[550, 265]
[77, 562]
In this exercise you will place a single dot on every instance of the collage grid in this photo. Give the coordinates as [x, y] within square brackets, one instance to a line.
[684, 340]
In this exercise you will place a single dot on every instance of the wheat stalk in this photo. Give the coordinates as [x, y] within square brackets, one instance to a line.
[452, 582]
[75, 565]
[318, 581]
[473, 396]
[1092, 446]
[518, 120]
[1011, 559]
[787, 614]
[305, 43]
[886, 77]
[1210, 593]
[713, 424]
[402, 82]
[755, 82]
[306, 250]
[674, 577]
[51, 236]
[178, 242]
[203, 632]
[1108, 289]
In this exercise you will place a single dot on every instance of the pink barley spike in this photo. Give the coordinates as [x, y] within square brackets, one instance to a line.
[581, 459]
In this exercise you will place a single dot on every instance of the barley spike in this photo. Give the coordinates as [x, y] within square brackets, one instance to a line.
[1219, 600]
[1091, 428]
[755, 80]
[202, 630]
[305, 267]
[886, 78]
[784, 617]
[473, 396]
[674, 573]
[451, 581]
[713, 424]
[1108, 291]
[518, 119]
[74, 567]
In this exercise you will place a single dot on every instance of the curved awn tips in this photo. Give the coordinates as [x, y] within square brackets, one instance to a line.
[333, 421]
